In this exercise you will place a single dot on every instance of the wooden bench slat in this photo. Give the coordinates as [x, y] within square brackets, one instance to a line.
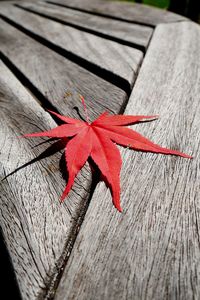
[36, 242]
[151, 250]
[130, 12]
[53, 75]
[36, 227]
[124, 32]
[118, 59]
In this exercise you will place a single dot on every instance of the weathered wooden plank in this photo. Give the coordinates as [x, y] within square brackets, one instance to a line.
[151, 250]
[53, 75]
[36, 227]
[118, 59]
[129, 12]
[130, 34]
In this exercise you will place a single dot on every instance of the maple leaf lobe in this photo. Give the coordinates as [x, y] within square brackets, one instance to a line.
[97, 140]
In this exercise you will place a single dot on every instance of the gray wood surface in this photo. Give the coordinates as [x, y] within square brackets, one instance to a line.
[151, 250]
[36, 227]
[118, 59]
[130, 34]
[54, 75]
[38, 231]
[129, 12]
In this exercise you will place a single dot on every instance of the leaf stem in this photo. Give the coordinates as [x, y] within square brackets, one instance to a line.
[85, 109]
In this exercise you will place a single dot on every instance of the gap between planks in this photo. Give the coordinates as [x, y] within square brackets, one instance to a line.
[126, 12]
[129, 252]
[110, 77]
[58, 277]
[98, 14]
[18, 63]
[87, 29]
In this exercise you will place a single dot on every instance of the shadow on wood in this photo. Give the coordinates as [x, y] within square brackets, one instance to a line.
[7, 275]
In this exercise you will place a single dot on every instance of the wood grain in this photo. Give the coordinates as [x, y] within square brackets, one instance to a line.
[151, 250]
[132, 34]
[118, 59]
[36, 227]
[54, 75]
[38, 235]
[128, 12]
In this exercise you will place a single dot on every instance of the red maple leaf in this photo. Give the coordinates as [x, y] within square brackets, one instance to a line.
[97, 140]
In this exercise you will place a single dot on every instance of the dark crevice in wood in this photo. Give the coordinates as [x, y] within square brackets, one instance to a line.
[85, 29]
[149, 41]
[7, 274]
[78, 222]
[123, 107]
[125, 103]
[110, 77]
[61, 264]
[101, 14]
[77, 225]
[44, 102]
